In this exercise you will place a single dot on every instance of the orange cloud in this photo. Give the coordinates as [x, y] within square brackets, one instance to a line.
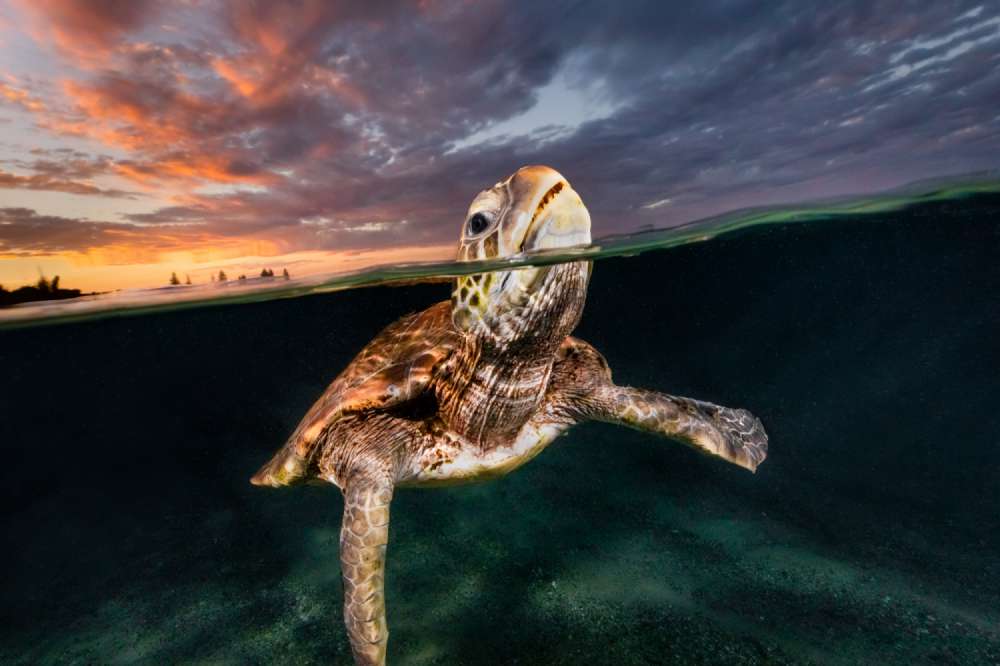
[135, 115]
[275, 27]
[156, 102]
[21, 98]
[165, 129]
[86, 31]
[240, 75]
[192, 167]
[45, 182]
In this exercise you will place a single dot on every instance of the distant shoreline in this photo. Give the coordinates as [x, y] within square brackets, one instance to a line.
[43, 291]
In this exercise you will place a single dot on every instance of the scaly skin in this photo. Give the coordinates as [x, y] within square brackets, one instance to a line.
[471, 389]
[364, 535]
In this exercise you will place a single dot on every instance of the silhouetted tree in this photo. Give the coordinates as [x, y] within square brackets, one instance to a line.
[173, 279]
[284, 273]
[242, 277]
[222, 276]
[187, 279]
[267, 272]
[43, 290]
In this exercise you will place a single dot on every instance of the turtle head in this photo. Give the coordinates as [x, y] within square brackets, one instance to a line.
[534, 209]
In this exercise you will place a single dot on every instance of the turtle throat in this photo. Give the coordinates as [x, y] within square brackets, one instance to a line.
[509, 349]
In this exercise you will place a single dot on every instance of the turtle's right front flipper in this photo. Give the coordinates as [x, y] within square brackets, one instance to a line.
[364, 535]
[380, 390]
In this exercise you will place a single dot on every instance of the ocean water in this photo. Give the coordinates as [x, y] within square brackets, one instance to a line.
[867, 342]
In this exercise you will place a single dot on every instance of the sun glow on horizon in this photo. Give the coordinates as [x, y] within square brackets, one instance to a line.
[87, 273]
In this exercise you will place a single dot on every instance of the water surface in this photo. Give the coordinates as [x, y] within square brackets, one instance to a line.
[143, 301]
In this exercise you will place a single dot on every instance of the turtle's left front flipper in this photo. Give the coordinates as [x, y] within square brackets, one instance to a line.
[581, 388]
[733, 434]
[364, 535]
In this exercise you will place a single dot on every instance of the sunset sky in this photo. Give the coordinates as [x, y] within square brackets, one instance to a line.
[139, 138]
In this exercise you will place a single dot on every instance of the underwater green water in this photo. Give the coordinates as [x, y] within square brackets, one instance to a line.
[866, 343]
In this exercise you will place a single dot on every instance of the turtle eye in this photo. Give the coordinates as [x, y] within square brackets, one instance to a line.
[478, 223]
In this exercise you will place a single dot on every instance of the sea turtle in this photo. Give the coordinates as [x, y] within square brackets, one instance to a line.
[472, 388]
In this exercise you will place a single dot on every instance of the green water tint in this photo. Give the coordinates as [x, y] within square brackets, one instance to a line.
[137, 302]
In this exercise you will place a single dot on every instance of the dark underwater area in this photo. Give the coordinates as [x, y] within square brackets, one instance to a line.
[868, 346]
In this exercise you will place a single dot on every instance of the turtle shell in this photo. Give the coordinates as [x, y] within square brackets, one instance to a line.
[396, 367]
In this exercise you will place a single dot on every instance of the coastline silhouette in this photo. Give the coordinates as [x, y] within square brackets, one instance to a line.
[43, 290]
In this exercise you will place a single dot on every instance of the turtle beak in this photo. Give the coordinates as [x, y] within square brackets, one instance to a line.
[560, 220]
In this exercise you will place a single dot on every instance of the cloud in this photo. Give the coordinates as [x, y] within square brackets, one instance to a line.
[256, 120]
[67, 171]
[85, 31]
[23, 232]
[14, 96]
[43, 182]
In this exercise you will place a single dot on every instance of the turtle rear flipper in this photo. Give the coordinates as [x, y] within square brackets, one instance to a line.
[364, 535]
[284, 469]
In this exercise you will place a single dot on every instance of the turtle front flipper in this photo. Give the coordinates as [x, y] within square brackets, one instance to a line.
[364, 535]
[582, 389]
[735, 435]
